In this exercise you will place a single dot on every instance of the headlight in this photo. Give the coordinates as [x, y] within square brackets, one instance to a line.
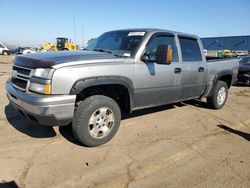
[40, 81]
[43, 73]
[40, 88]
[13, 59]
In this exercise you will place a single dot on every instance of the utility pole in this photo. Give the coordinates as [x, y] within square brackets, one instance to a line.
[82, 38]
[74, 28]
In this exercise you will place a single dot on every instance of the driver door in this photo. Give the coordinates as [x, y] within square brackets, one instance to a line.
[157, 84]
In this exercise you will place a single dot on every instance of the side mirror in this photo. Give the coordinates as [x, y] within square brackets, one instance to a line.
[164, 54]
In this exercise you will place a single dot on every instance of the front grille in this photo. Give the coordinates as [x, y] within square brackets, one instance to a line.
[19, 83]
[20, 77]
[244, 74]
[21, 70]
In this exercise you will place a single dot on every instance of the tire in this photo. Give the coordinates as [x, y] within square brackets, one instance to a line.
[96, 120]
[5, 53]
[219, 95]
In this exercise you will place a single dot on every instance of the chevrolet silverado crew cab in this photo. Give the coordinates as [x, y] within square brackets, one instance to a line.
[121, 71]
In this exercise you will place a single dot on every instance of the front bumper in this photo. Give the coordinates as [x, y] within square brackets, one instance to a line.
[47, 110]
[244, 79]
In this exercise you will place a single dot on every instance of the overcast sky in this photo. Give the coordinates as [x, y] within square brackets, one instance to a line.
[31, 22]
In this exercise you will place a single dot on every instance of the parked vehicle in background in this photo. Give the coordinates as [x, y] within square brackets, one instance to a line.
[241, 53]
[28, 51]
[122, 71]
[15, 50]
[4, 50]
[244, 71]
[23, 50]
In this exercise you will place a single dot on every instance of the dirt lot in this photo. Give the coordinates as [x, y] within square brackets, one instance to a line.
[180, 145]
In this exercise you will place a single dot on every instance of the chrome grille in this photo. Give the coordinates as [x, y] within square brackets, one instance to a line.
[22, 70]
[20, 83]
[20, 77]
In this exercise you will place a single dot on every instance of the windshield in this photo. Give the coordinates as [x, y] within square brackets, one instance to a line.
[119, 43]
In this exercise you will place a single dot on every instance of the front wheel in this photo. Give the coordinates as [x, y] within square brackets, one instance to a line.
[5, 53]
[96, 120]
[219, 95]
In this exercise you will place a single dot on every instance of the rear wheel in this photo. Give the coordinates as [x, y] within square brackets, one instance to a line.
[96, 120]
[219, 95]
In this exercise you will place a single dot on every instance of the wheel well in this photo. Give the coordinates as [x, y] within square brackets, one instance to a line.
[117, 92]
[227, 79]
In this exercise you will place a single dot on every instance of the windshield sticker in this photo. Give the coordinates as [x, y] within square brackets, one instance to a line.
[126, 54]
[136, 34]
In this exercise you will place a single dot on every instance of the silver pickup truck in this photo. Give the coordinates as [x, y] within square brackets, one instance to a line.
[121, 71]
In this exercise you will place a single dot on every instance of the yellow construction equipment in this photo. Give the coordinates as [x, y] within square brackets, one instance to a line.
[61, 44]
[229, 53]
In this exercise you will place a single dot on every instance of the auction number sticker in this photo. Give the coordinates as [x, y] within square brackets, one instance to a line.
[136, 34]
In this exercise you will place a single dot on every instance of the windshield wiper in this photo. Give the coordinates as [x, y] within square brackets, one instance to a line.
[102, 50]
[106, 51]
[117, 55]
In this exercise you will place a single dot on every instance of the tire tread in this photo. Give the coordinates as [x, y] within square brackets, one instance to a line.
[82, 111]
[212, 100]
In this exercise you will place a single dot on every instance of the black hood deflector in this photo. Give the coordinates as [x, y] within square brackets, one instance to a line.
[48, 59]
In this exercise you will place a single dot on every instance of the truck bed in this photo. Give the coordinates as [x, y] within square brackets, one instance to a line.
[226, 65]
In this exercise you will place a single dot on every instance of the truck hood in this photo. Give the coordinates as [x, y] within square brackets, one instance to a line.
[244, 67]
[63, 58]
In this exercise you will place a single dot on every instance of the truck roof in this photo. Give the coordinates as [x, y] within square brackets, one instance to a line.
[155, 30]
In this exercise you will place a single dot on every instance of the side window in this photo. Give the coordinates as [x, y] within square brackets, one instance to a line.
[159, 40]
[190, 49]
[1, 46]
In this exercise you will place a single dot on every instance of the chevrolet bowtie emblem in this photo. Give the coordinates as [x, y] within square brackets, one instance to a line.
[14, 74]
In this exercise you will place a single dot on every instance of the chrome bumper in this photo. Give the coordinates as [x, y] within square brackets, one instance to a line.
[47, 110]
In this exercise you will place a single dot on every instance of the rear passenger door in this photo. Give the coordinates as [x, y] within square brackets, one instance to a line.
[194, 69]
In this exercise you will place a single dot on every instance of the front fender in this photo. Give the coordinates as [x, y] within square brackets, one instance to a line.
[82, 84]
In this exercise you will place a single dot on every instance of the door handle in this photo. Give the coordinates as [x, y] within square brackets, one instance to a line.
[177, 70]
[201, 69]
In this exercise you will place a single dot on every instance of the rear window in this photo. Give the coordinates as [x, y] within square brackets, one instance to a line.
[190, 49]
